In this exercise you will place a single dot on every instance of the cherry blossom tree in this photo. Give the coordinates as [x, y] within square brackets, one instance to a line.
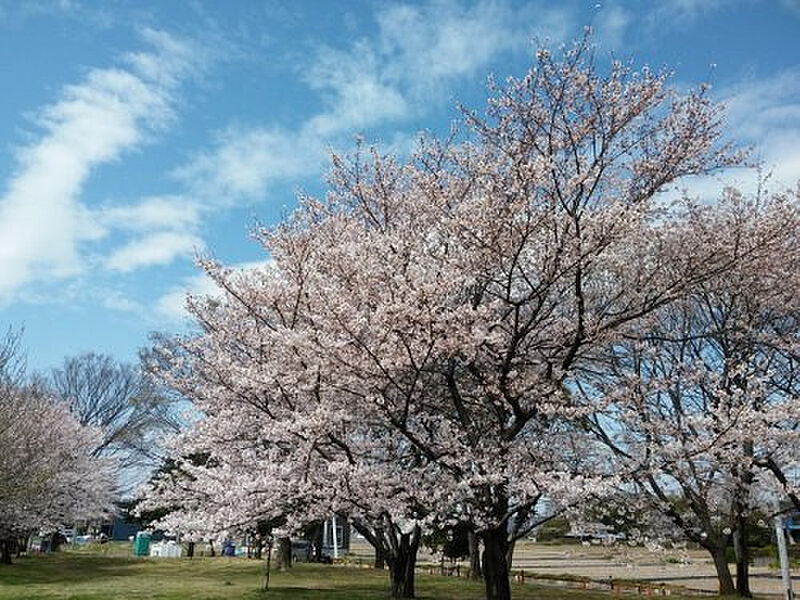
[701, 400]
[48, 474]
[279, 445]
[410, 355]
[456, 295]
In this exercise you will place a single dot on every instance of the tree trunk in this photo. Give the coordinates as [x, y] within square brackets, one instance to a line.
[510, 555]
[398, 549]
[380, 558]
[475, 571]
[317, 538]
[211, 545]
[267, 566]
[740, 532]
[495, 564]
[284, 553]
[726, 586]
[402, 561]
[5, 552]
[190, 550]
[742, 559]
[375, 538]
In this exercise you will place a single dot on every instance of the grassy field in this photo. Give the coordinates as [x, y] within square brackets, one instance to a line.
[110, 575]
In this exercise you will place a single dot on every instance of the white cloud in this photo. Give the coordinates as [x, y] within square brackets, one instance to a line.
[763, 113]
[678, 14]
[682, 10]
[42, 219]
[156, 212]
[443, 40]
[159, 248]
[116, 300]
[96, 14]
[403, 73]
[610, 25]
[244, 160]
[355, 90]
[171, 306]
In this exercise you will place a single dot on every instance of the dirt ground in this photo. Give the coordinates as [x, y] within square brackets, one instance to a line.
[690, 568]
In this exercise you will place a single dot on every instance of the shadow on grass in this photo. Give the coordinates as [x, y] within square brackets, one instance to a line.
[63, 568]
[68, 568]
[314, 593]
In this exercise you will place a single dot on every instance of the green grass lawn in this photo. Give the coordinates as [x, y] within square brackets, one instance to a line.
[112, 574]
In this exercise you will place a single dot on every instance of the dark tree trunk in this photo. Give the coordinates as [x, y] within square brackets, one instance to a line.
[284, 553]
[495, 564]
[375, 538]
[742, 559]
[5, 552]
[475, 571]
[211, 545]
[399, 550]
[190, 550]
[267, 566]
[740, 532]
[380, 558]
[726, 586]
[402, 561]
[510, 555]
[316, 536]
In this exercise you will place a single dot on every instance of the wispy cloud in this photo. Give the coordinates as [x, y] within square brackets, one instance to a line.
[171, 306]
[95, 14]
[610, 25]
[43, 221]
[153, 249]
[677, 14]
[404, 72]
[155, 212]
[243, 160]
[764, 114]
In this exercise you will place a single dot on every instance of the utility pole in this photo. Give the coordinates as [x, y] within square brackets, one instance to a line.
[335, 537]
[783, 555]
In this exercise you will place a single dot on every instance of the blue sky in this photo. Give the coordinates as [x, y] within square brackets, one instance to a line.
[135, 134]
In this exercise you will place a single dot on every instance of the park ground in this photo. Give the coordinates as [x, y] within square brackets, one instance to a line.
[117, 576]
[111, 573]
